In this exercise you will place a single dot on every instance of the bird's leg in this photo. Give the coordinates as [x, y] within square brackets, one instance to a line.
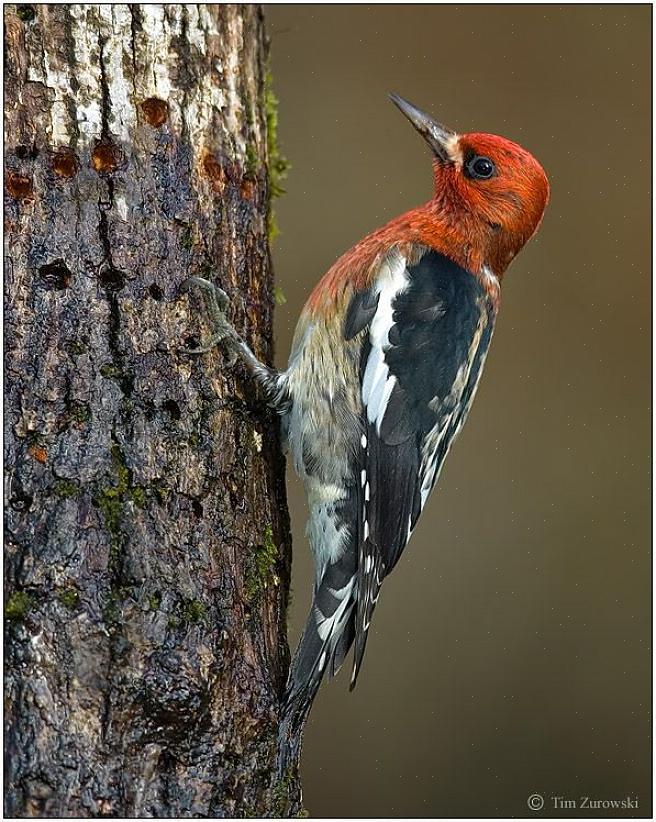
[273, 382]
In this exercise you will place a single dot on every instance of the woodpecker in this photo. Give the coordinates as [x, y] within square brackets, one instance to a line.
[385, 362]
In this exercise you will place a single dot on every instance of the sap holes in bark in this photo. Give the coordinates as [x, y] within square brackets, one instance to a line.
[106, 157]
[215, 172]
[191, 342]
[248, 189]
[111, 279]
[19, 186]
[65, 162]
[38, 452]
[19, 499]
[155, 292]
[27, 152]
[172, 409]
[55, 276]
[155, 111]
[197, 507]
[25, 12]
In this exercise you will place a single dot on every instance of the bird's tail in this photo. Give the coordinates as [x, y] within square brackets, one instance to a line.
[326, 639]
[304, 679]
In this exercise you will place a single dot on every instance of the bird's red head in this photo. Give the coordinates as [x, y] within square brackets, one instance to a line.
[490, 193]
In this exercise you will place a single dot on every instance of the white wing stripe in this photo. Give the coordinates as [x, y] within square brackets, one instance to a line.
[377, 385]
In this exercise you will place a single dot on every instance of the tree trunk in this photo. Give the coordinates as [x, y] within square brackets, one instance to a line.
[147, 536]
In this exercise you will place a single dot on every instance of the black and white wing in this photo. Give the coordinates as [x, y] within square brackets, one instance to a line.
[426, 327]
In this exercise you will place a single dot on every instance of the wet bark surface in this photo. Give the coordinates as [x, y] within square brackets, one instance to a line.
[147, 538]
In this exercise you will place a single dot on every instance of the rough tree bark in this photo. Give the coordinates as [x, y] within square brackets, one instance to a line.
[147, 538]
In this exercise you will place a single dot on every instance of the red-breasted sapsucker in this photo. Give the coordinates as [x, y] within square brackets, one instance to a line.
[386, 358]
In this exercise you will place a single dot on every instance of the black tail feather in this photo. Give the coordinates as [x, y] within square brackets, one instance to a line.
[342, 647]
[314, 656]
[304, 680]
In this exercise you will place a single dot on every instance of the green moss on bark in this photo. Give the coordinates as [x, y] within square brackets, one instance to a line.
[17, 605]
[262, 567]
[277, 163]
[69, 597]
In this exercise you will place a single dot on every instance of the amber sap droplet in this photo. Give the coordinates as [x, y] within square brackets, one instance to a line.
[215, 172]
[247, 189]
[65, 162]
[38, 453]
[155, 111]
[18, 186]
[106, 157]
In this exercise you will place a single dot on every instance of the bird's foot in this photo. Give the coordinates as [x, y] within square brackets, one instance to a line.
[217, 302]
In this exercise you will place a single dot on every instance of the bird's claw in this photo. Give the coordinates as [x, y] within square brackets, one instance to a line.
[217, 302]
[212, 291]
[208, 345]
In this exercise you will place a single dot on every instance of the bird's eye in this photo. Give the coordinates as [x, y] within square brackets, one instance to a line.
[480, 168]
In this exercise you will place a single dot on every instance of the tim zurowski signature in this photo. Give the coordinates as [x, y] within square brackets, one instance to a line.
[583, 802]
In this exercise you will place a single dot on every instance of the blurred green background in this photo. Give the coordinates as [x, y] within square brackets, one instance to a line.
[510, 650]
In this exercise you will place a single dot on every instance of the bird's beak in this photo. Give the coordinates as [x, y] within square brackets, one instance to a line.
[437, 137]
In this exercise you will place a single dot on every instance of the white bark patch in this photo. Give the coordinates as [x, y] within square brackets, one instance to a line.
[206, 98]
[175, 99]
[121, 207]
[234, 109]
[59, 81]
[156, 45]
[87, 58]
[195, 33]
[122, 117]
